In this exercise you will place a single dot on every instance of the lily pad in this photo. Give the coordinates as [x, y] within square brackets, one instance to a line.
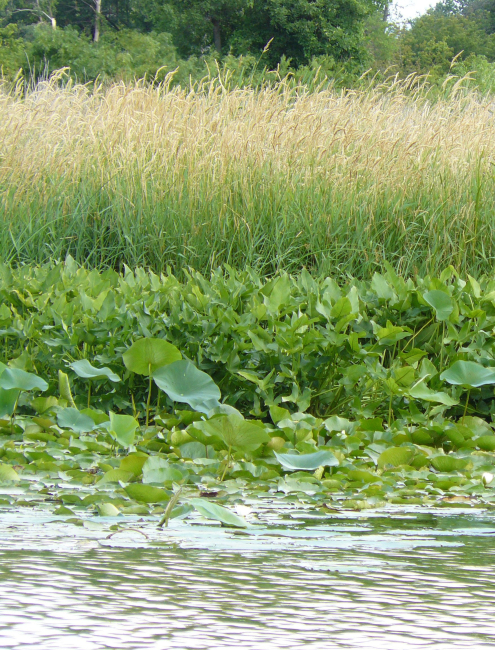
[85, 370]
[218, 513]
[468, 374]
[71, 418]
[308, 462]
[183, 382]
[235, 432]
[146, 493]
[148, 354]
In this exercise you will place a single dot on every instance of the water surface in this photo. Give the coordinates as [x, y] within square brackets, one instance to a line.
[382, 580]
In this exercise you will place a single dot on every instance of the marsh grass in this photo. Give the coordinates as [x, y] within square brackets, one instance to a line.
[277, 178]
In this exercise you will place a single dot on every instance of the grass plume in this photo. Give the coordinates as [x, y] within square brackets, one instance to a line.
[278, 178]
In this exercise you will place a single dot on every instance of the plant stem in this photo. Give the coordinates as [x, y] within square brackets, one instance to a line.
[226, 465]
[89, 393]
[168, 510]
[465, 406]
[149, 397]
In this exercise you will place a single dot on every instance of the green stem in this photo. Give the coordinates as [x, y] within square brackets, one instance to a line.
[168, 510]
[465, 406]
[89, 393]
[149, 398]
[226, 465]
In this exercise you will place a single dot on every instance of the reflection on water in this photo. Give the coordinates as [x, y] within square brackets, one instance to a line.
[354, 583]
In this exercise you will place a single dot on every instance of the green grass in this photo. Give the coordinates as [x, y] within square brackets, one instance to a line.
[273, 179]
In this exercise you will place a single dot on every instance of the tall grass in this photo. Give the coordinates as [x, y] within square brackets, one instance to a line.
[275, 178]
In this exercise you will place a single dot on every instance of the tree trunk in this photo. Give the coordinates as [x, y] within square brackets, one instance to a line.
[96, 36]
[217, 37]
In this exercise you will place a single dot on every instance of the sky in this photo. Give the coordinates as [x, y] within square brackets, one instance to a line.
[411, 8]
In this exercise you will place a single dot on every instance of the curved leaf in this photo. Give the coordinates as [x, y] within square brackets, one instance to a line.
[183, 382]
[235, 432]
[71, 418]
[308, 462]
[15, 379]
[218, 513]
[158, 470]
[421, 391]
[395, 456]
[123, 428]
[468, 374]
[85, 370]
[147, 355]
[441, 302]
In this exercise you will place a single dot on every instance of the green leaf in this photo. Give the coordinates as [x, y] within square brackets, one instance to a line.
[468, 374]
[108, 510]
[183, 382]
[147, 355]
[8, 399]
[71, 418]
[146, 493]
[395, 456]
[308, 462]
[335, 423]
[218, 513]
[14, 379]
[116, 475]
[441, 302]
[487, 443]
[134, 463]
[158, 470]
[235, 432]
[446, 464]
[8, 473]
[123, 428]
[85, 370]
[421, 391]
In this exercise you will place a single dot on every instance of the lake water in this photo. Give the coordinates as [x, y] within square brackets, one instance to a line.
[387, 580]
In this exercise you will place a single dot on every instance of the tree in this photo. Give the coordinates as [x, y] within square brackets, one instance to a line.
[302, 29]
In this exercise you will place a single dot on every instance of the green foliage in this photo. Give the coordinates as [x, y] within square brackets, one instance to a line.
[183, 382]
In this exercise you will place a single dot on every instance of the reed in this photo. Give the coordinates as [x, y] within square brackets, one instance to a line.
[277, 178]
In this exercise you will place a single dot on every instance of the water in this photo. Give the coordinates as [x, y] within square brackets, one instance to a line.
[389, 581]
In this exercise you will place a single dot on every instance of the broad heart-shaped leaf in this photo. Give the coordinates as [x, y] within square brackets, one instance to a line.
[421, 391]
[235, 432]
[13, 378]
[183, 382]
[150, 354]
[158, 470]
[308, 462]
[146, 493]
[123, 428]
[395, 456]
[218, 513]
[441, 302]
[85, 370]
[8, 473]
[466, 373]
[71, 418]
[8, 399]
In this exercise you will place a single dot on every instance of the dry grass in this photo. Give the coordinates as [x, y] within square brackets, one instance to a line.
[277, 177]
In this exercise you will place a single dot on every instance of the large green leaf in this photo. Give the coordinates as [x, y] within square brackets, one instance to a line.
[441, 302]
[123, 428]
[71, 418]
[421, 391]
[218, 513]
[85, 370]
[235, 432]
[8, 473]
[8, 399]
[308, 462]
[395, 456]
[183, 382]
[147, 355]
[146, 493]
[468, 374]
[15, 379]
[158, 470]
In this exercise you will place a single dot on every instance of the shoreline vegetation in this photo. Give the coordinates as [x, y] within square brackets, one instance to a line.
[142, 394]
[277, 177]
